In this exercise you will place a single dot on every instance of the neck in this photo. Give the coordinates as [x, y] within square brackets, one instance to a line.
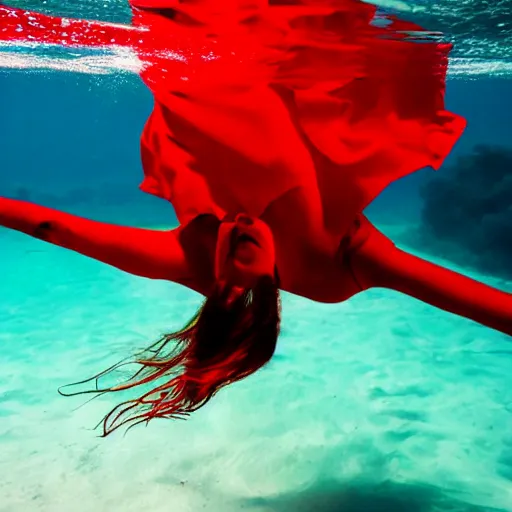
[199, 240]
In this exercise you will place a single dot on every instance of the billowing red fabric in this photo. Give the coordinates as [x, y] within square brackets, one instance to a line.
[254, 98]
[277, 95]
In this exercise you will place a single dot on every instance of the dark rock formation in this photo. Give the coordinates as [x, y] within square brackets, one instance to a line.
[468, 210]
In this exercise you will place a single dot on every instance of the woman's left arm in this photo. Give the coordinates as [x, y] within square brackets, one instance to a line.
[379, 263]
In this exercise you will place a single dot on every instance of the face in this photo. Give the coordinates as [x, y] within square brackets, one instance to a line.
[245, 251]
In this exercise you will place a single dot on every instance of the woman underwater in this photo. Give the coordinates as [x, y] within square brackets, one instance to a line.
[269, 152]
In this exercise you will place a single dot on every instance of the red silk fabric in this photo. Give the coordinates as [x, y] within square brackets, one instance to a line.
[255, 98]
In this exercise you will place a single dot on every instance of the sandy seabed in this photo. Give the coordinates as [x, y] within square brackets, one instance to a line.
[378, 404]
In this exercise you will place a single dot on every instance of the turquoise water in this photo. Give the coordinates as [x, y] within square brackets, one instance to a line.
[378, 404]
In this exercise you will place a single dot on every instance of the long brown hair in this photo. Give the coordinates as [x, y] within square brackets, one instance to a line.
[226, 341]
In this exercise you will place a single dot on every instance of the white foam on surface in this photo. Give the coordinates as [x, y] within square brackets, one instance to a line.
[123, 60]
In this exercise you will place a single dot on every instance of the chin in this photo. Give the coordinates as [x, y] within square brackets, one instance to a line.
[240, 277]
[244, 254]
[243, 274]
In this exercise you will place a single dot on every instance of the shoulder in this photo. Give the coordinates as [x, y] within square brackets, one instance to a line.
[363, 233]
[357, 235]
[197, 240]
[366, 248]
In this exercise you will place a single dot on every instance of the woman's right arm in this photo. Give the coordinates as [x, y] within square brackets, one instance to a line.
[142, 252]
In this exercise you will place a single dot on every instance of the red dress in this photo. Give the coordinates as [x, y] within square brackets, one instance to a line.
[273, 96]
[254, 98]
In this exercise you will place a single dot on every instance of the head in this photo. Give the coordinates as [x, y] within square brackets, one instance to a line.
[232, 335]
[245, 252]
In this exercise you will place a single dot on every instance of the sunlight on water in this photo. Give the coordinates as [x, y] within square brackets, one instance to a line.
[124, 60]
[121, 59]
[480, 30]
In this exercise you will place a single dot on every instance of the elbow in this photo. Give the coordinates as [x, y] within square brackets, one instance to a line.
[44, 231]
[52, 232]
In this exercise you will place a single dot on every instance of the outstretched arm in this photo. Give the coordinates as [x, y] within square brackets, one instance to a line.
[378, 263]
[143, 252]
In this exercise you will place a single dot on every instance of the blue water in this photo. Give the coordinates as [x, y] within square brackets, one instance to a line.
[378, 404]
